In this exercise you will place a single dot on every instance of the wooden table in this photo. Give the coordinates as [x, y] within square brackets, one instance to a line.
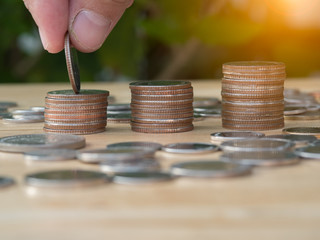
[272, 203]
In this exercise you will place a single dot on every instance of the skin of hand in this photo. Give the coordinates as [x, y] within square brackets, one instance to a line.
[89, 22]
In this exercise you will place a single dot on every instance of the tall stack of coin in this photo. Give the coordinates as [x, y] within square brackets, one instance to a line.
[83, 113]
[252, 95]
[161, 106]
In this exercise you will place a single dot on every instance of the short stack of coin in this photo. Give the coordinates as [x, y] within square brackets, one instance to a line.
[252, 95]
[83, 113]
[161, 106]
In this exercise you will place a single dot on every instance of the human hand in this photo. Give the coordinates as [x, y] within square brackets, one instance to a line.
[89, 22]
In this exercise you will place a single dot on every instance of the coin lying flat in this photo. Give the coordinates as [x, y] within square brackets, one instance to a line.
[30, 142]
[262, 158]
[4, 104]
[316, 143]
[292, 110]
[83, 94]
[57, 154]
[309, 152]
[309, 115]
[23, 119]
[72, 64]
[6, 181]
[209, 169]
[143, 165]
[66, 178]
[159, 85]
[205, 101]
[297, 139]
[115, 154]
[303, 130]
[234, 135]
[152, 145]
[137, 178]
[190, 147]
[256, 145]
[119, 118]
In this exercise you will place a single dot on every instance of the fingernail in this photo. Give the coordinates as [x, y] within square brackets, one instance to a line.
[43, 40]
[90, 29]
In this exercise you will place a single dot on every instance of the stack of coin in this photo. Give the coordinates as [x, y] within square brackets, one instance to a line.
[252, 95]
[83, 113]
[161, 106]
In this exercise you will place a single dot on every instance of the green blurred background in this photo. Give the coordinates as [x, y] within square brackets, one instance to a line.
[172, 39]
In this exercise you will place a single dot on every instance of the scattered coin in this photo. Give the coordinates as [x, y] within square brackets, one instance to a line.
[152, 145]
[190, 147]
[6, 181]
[309, 115]
[137, 178]
[256, 145]
[72, 64]
[38, 109]
[303, 130]
[292, 110]
[8, 104]
[66, 178]
[205, 102]
[234, 135]
[309, 152]
[119, 118]
[30, 142]
[297, 139]
[316, 143]
[209, 169]
[23, 119]
[56, 154]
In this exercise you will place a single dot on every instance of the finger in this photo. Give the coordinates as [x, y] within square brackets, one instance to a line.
[92, 21]
[51, 16]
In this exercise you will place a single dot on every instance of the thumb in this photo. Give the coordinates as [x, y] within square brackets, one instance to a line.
[92, 21]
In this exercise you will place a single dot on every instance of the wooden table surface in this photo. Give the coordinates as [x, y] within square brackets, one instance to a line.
[272, 203]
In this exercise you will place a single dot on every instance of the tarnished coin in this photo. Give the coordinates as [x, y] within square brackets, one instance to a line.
[142, 165]
[72, 64]
[209, 169]
[137, 178]
[30, 142]
[303, 130]
[56, 154]
[83, 94]
[263, 158]
[6, 181]
[235, 135]
[257, 145]
[152, 145]
[159, 85]
[119, 107]
[66, 178]
[309, 152]
[4, 104]
[190, 147]
[297, 139]
[115, 154]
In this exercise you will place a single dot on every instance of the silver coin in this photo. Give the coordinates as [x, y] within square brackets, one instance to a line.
[234, 135]
[66, 178]
[8, 104]
[207, 109]
[256, 145]
[152, 145]
[115, 154]
[190, 147]
[302, 130]
[292, 110]
[119, 118]
[23, 119]
[26, 112]
[30, 142]
[316, 143]
[205, 101]
[119, 107]
[211, 114]
[261, 158]
[72, 64]
[209, 169]
[309, 152]
[143, 165]
[297, 139]
[57, 154]
[6, 181]
[137, 178]
[38, 109]
[119, 112]
[5, 115]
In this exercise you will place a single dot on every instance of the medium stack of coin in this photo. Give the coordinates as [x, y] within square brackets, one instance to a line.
[161, 106]
[252, 95]
[83, 113]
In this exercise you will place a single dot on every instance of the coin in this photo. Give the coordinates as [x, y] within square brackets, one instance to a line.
[160, 121]
[161, 116]
[309, 152]
[253, 127]
[164, 107]
[316, 143]
[288, 110]
[211, 114]
[83, 94]
[4, 104]
[74, 131]
[55, 154]
[205, 101]
[303, 130]
[137, 178]
[160, 103]
[79, 107]
[38, 109]
[143, 165]
[297, 139]
[159, 125]
[66, 178]
[209, 169]
[30, 142]
[162, 130]
[73, 126]
[6, 181]
[162, 97]
[119, 118]
[153, 145]
[119, 107]
[87, 101]
[235, 135]
[72, 64]
[159, 85]
[254, 65]
[23, 119]
[263, 158]
[163, 92]
[115, 154]
[257, 145]
[25, 112]
[309, 115]
[190, 147]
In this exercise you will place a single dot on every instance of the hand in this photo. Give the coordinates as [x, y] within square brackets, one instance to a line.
[89, 22]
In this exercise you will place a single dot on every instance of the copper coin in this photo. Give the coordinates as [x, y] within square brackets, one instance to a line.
[85, 120]
[75, 101]
[254, 65]
[260, 97]
[162, 92]
[162, 103]
[162, 130]
[251, 87]
[178, 120]
[75, 126]
[75, 111]
[162, 116]
[159, 85]
[74, 116]
[83, 94]
[76, 132]
[252, 121]
[276, 92]
[161, 107]
[257, 76]
[253, 127]
[248, 71]
[256, 117]
[161, 111]
[162, 97]
[253, 113]
[78, 107]
[252, 81]
[159, 125]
